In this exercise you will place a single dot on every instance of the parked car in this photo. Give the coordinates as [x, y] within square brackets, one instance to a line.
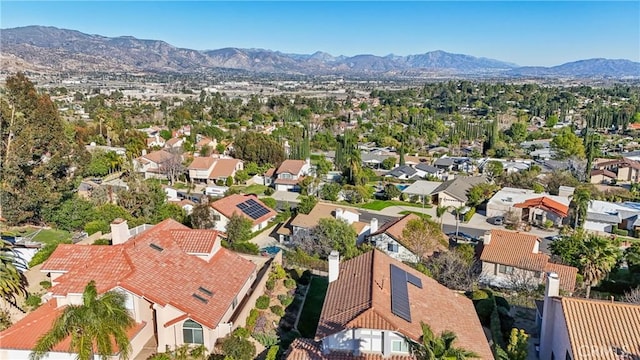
[498, 220]
[461, 237]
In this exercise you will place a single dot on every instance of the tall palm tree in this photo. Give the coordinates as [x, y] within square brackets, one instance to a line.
[93, 326]
[440, 211]
[580, 200]
[12, 281]
[439, 347]
[599, 256]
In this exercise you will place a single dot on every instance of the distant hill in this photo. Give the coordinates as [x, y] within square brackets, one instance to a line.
[54, 49]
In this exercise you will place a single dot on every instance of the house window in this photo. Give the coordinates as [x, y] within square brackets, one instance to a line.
[192, 333]
[399, 346]
[391, 247]
[504, 269]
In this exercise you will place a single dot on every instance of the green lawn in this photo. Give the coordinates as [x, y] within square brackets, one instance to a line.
[255, 189]
[407, 212]
[312, 306]
[381, 204]
[51, 236]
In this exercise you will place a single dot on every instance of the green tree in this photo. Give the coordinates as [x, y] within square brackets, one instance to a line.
[388, 163]
[99, 323]
[241, 176]
[632, 256]
[270, 202]
[551, 121]
[238, 229]
[168, 210]
[518, 347]
[238, 348]
[73, 214]
[480, 193]
[330, 191]
[339, 234]
[391, 191]
[307, 203]
[567, 144]
[580, 202]
[493, 169]
[518, 132]
[12, 281]
[568, 249]
[434, 347]
[599, 256]
[258, 147]
[422, 236]
[323, 166]
[202, 216]
[440, 211]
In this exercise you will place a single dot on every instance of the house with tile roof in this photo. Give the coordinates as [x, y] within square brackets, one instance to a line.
[602, 176]
[176, 280]
[209, 170]
[389, 239]
[512, 259]
[576, 328]
[454, 192]
[247, 206]
[375, 304]
[289, 173]
[174, 143]
[626, 169]
[155, 163]
[529, 206]
[301, 224]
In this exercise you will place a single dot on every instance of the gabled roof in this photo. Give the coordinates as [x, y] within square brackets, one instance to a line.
[23, 334]
[224, 168]
[605, 172]
[516, 249]
[320, 211]
[361, 298]
[155, 265]
[444, 161]
[158, 157]
[459, 186]
[546, 204]
[603, 325]
[402, 170]
[395, 228]
[427, 168]
[291, 167]
[228, 206]
[201, 163]
[619, 163]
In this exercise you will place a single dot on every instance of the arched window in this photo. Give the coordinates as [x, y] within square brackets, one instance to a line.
[192, 332]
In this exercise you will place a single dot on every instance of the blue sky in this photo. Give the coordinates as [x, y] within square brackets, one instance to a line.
[527, 33]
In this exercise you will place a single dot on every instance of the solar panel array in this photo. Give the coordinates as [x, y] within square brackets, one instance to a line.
[400, 305]
[253, 209]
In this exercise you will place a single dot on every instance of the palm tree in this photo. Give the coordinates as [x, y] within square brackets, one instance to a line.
[93, 326]
[12, 281]
[599, 256]
[435, 347]
[580, 200]
[440, 211]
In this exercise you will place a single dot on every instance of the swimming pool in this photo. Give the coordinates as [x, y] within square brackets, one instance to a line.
[270, 250]
[402, 187]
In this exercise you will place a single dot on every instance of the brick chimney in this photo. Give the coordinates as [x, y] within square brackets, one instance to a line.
[119, 231]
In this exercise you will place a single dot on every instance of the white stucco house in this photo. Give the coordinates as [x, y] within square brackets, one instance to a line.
[289, 173]
[247, 206]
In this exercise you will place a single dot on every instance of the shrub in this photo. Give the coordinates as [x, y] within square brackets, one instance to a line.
[102, 242]
[262, 302]
[33, 301]
[269, 191]
[278, 272]
[502, 302]
[277, 310]
[479, 295]
[94, 226]
[270, 284]
[241, 332]
[251, 319]
[621, 232]
[266, 339]
[484, 308]
[547, 224]
[245, 247]
[285, 300]
[272, 354]
[160, 356]
[270, 202]
[45, 284]
[469, 214]
[238, 348]
[5, 319]
[289, 283]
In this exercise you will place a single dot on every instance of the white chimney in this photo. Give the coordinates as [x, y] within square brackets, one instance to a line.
[144, 152]
[119, 231]
[487, 237]
[334, 266]
[373, 226]
[536, 247]
[552, 289]
[338, 214]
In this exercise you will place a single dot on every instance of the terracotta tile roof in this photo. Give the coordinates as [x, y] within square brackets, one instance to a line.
[23, 334]
[228, 206]
[602, 325]
[546, 204]
[619, 163]
[604, 172]
[567, 275]
[361, 297]
[515, 249]
[169, 276]
[307, 349]
[203, 142]
[224, 168]
[195, 241]
[201, 163]
[320, 211]
[291, 166]
[270, 172]
[172, 141]
[158, 156]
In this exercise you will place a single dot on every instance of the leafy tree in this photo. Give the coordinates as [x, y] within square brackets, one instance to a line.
[453, 269]
[330, 191]
[238, 348]
[480, 193]
[12, 281]
[435, 347]
[238, 229]
[241, 176]
[168, 210]
[165, 134]
[391, 191]
[388, 163]
[568, 249]
[257, 147]
[633, 296]
[229, 181]
[307, 203]
[518, 347]
[558, 178]
[73, 214]
[632, 256]
[551, 121]
[323, 166]
[567, 144]
[422, 236]
[599, 256]
[98, 166]
[35, 146]
[340, 234]
[493, 169]
[518, 132]
[99, 323]
[270, 202]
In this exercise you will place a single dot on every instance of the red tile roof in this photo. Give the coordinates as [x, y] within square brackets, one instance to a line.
[170, 276]
[224, 168]
[158, 157]
[195, 241]
[395, 229]
[361, 298]
[228, 206]
[291, 166]
[604, 172]
[515, 249]
[23, 334]
[545, 204]
[201, 163]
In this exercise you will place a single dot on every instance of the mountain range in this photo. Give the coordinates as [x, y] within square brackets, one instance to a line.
[52, 49]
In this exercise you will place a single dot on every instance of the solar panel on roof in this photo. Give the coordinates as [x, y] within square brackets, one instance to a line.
[242, 206]
[253, 209]
[400, 293]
